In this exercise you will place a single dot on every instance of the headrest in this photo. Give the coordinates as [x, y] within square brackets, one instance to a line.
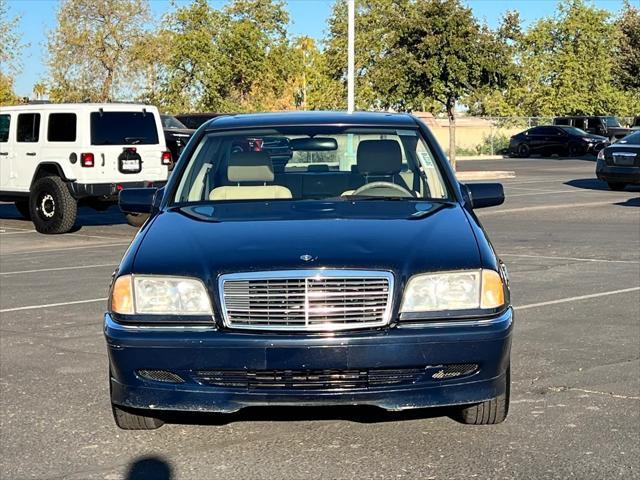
[379, 157]
[250, 167]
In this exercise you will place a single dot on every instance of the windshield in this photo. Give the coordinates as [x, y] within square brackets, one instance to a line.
[123, 128]
[311, 163]
[632, 139]
[171, 122]
[612, 122]
[575, 131]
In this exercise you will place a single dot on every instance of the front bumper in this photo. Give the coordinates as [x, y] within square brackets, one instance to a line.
[187, 352]
[613, 174]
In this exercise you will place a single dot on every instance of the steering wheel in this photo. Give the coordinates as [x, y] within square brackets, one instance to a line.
[380, 185]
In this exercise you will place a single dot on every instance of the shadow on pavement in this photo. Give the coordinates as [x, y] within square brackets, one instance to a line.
[588, 184]
[357, 414]
[149, 468]
[632, 202]
[86, 216]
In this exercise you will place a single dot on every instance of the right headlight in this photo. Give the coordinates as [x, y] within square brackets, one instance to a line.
[156, 295]
[601, 154]
[463, 290]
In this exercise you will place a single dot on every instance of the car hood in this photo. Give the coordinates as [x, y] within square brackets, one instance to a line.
[402, 237]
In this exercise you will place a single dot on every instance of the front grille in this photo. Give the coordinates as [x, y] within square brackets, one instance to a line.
[306, 300]
[308, 379]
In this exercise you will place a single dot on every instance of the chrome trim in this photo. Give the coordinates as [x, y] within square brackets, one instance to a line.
[504, 317]
[319, 274]
[109, 322]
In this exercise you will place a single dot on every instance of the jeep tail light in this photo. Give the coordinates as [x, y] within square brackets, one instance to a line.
[87, 160]
[166, 158]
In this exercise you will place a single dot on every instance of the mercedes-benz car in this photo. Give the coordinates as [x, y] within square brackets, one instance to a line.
[316, 259]
[619, 164]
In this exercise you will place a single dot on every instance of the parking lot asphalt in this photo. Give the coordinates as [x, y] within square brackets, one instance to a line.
[573, 252]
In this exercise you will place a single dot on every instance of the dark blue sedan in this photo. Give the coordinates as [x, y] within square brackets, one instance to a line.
[310, 259]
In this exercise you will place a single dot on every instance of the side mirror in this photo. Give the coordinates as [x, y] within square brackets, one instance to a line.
[483, 195]
[136, 200]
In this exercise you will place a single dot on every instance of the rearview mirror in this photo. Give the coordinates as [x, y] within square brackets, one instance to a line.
[316, 144]
[136, 200]
[483, 195]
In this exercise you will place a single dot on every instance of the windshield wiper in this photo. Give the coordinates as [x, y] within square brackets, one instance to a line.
[134, 140]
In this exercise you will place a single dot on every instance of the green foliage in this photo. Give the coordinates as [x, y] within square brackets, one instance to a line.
[10, 49]
[628, 52]
[92, 52]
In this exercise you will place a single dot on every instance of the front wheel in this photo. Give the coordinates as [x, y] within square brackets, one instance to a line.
[136, 219]
[52, 208]
[491, 412]
[127, 420]
[576, 150]
[616, 186]
[524, 150]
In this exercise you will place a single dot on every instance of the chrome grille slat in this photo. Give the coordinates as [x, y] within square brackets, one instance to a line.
[306, 300]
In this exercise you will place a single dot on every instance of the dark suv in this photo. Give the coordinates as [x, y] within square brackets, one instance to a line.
[598, 125]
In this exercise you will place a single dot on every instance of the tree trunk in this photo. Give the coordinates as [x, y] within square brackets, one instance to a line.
[451, 114]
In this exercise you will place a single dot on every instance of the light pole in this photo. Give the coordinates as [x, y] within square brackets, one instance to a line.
[351, 40]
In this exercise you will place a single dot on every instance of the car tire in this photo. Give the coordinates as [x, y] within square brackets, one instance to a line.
[23, 209]
[616, 186]
[136, 219]
[127, 420]
[53, 210]
[524, 150]
[576, 150]
[490, 412]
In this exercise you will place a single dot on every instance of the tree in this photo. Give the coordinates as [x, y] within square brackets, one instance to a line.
[91, 52]
[628, 54]
[10, 50]
[39, 90]
[441, 52]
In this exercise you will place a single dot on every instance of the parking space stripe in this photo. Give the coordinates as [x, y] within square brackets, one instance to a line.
[551, 257]
[59, 269]
[97, 245]
[35, 307]
[544, 207]
[575, 299]
[17, 233]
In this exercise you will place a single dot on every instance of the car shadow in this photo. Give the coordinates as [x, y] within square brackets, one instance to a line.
[150, 467]
[353, 413]
[595, 184]
[632, 202]
[86, 216]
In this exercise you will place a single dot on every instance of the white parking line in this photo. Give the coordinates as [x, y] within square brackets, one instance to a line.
[575, 299]
[17, 233]
[544, 207]
[97, 245]
[546, 192]
[35, 307]
[576, 259]
[59, 268]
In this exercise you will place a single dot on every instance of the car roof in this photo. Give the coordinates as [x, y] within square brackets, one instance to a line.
[39, 107]
[314, 118]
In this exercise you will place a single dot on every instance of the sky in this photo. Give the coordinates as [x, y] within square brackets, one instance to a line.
[308, 17]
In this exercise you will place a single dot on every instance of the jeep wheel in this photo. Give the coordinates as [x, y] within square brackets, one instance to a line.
[23, 209]
[576, 150]
[491, 412]
[52, 208]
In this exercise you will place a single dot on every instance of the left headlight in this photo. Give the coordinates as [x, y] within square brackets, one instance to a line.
[464, 290]
[155, 295]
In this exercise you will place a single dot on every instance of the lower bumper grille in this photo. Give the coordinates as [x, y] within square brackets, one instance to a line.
[352, 379]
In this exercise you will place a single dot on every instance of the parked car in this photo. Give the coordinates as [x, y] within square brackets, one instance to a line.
[53, 156]
[367, 281]
[547, 140]
[619, 164]
[605, 126]
[194, 120]
[176, 135]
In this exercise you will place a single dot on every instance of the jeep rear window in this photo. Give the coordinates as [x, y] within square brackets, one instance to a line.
[28, 127]
[5, 121]
[123, 128]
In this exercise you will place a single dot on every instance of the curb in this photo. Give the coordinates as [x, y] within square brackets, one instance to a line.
[485, 175]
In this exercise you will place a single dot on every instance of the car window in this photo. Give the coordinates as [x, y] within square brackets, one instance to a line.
[62, 127]
[123, 128]
[575, 131]
[562, 121]
[28, 127]
[612, 122]
[5, 122]
[546, 131]
[311, 163]
[171, 122]
[632, 139]
[594, 123]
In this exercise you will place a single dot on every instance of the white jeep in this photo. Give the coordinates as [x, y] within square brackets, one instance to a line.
[56, 156]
